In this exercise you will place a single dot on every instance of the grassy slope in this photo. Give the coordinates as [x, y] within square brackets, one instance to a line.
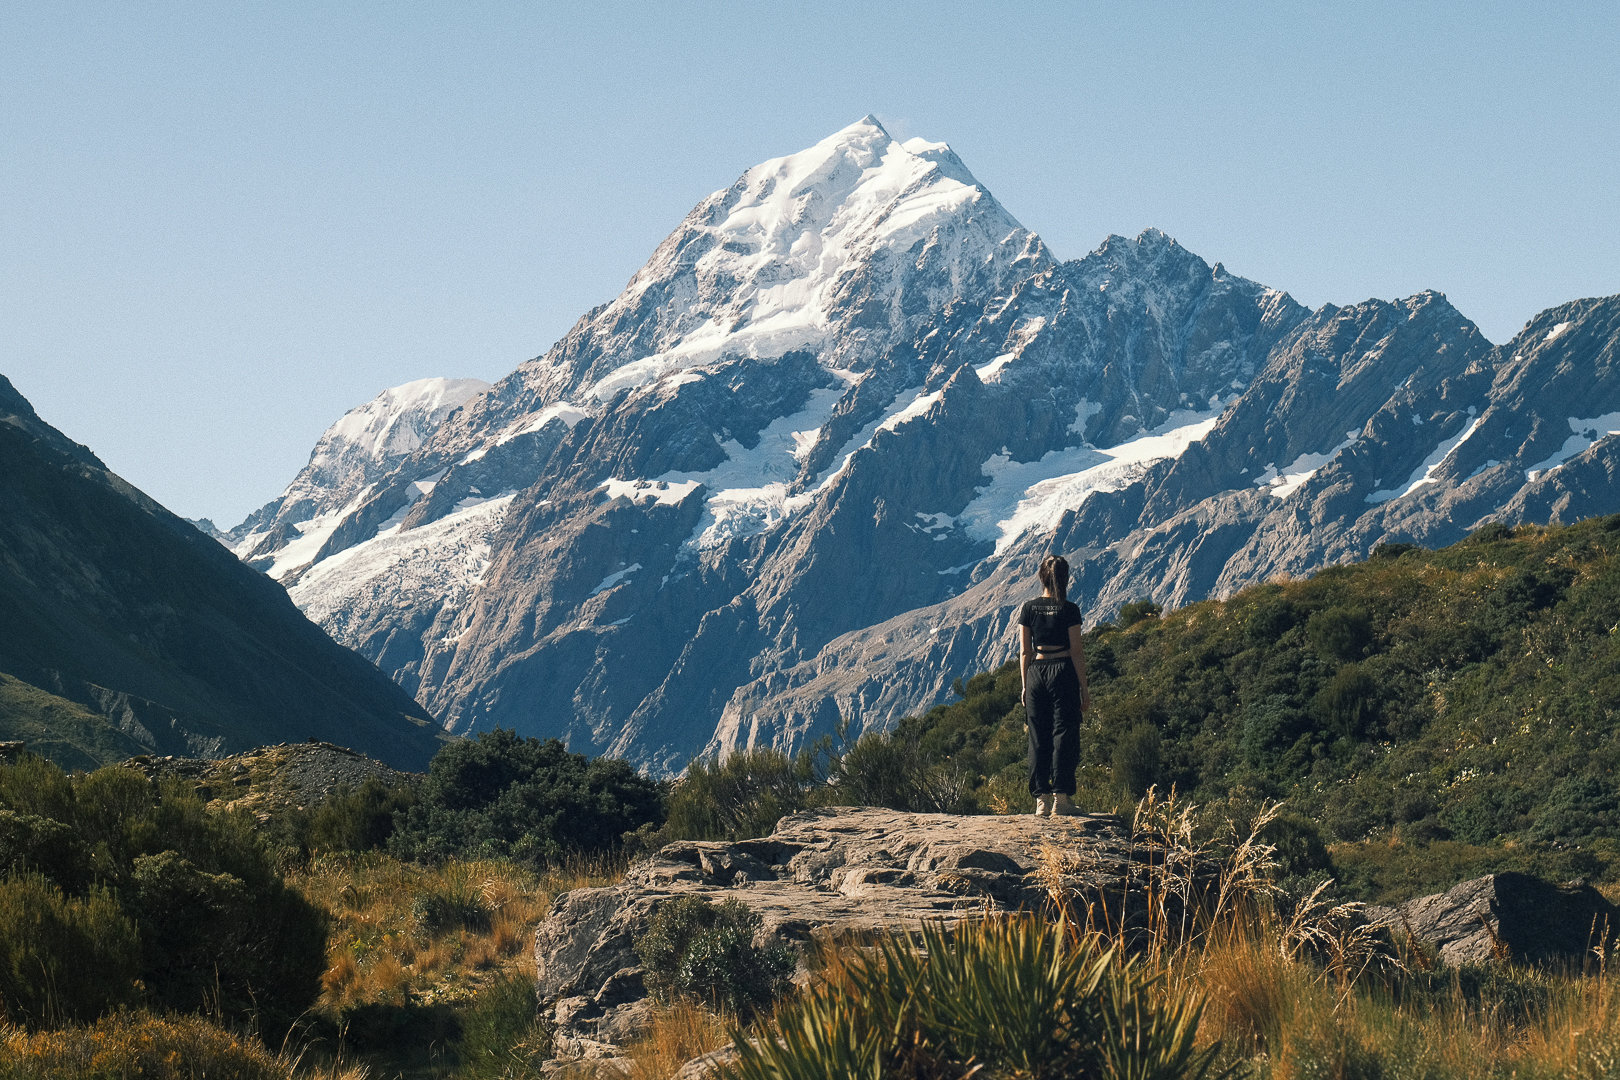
[61, 730]
[1464, 703]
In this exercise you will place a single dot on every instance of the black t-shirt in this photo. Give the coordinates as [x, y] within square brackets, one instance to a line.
[1049, 620]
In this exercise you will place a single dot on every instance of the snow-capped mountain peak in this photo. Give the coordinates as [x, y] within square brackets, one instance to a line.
[396, 421]
[771, 263]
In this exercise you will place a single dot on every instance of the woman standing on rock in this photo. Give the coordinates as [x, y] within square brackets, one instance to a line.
[1052, 660]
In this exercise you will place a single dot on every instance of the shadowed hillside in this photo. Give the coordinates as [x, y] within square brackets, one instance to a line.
[124, 630]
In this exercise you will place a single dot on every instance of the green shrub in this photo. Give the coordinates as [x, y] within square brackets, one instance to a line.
[1137, 759]
[218, 929]
[896, 770]
[742, 796]
[1340, 633]
[359, 820]
[499, 795]
[1134, 612]
[29, 842]
[708, 951]
[63, 959]
[504, 1036]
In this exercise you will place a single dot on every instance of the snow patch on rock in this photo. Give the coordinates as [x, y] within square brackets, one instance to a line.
[1022, 496]
[1587, 431]
[1424, 473]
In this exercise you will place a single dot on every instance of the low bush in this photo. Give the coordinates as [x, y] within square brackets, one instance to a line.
[503, 1036]
[708, 951]
[63, 959]
[742, 796]
[358, 820]
[217, 928]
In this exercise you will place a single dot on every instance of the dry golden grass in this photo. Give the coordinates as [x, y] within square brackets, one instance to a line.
[381, 948]
[139, 1046]
[677, 1033]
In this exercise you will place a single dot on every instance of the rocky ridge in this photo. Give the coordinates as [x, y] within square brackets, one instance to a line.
[271, 780]
[802, 468]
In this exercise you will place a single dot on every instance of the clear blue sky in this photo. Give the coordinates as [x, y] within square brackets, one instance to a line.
[222, 225]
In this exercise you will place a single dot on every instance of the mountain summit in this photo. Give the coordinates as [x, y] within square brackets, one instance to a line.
[803, 466]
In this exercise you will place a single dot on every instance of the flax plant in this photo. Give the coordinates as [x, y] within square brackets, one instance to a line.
[1016, 996]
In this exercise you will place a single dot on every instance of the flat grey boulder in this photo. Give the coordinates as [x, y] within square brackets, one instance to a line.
[1507, 916]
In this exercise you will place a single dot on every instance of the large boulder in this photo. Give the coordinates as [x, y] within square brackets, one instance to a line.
[826, 874]
[1507, 916]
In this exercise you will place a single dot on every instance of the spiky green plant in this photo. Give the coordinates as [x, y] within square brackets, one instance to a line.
[1009, 996]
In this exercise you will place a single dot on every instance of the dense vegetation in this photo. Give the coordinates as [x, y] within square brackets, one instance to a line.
[1467, 694]
[158, 901]
[500, 795]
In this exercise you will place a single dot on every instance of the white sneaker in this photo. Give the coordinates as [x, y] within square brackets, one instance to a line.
[1062, 807]
[1043, 806]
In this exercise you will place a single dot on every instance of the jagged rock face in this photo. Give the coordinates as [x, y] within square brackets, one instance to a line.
[162, 638]
[803, 467]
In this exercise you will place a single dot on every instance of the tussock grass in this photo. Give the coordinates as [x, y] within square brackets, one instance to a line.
[140, 1046]
[402, 932]
[676, 1033]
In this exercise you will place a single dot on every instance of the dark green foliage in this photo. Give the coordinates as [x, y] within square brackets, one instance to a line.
[742, 796]
[1301, 851]
[1340, 633]
[63, 958]
[708, 951]
[499, 795]
[1136, 759]
[30, 842]
[894, 769]
[1134, 612]
[359, 820]
[218, 929]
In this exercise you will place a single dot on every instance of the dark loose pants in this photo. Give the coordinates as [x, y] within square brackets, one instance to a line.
[1052, 713]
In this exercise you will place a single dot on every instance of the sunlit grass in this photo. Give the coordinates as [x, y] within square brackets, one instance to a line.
[139, 1046]
[401, 931]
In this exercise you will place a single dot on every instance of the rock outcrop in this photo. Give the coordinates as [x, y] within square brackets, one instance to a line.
[825, 875]
[272, 779]
[1506, 917]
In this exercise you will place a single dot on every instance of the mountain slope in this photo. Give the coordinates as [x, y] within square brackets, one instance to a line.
[364, 446]
[112, 605]
[803, 467]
